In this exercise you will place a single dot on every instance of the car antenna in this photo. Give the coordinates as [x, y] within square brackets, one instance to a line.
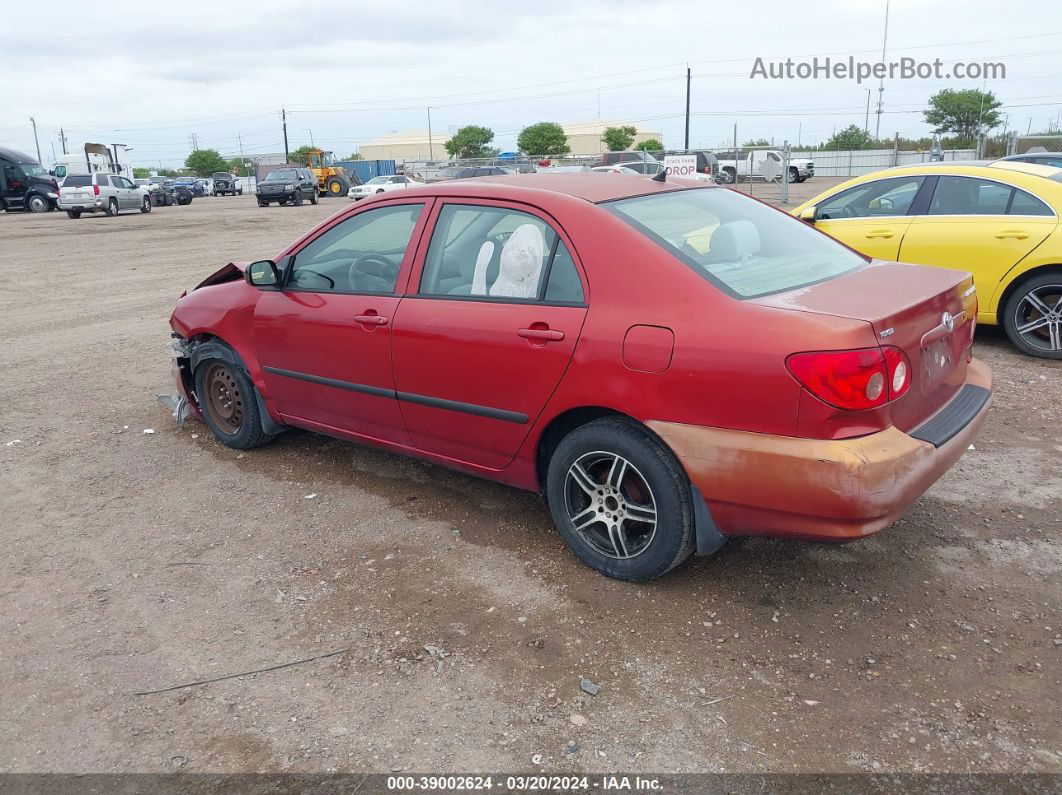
[661, 177]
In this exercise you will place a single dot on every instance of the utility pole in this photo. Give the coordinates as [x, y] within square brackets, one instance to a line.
[62, 139]
[866, 118]
[688, 78]
[54, 158]
[38, 143]
[284, 124]
[431, 150]
[311, 135]
[881, 83]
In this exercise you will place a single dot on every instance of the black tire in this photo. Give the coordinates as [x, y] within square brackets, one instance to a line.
[313, 197]
[37, 203]
[728, 175]
[297, 201]
[337, 186]
[378, 192]
[672, 538]
[794, 175]
[75, 214]
[112, 208]
[145, 206]
[282, 202]
[248, 432]
[1044, 342]
[263, 204]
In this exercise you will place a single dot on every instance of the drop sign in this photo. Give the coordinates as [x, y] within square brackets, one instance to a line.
[680, 165]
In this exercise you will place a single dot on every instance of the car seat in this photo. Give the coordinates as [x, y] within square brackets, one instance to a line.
[521, 264]
[733, 242]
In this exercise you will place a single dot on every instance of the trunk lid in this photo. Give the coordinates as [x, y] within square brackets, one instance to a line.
[929, 313]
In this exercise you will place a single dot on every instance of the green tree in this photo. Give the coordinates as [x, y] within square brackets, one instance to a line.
[544, 138]
[618, 139]
[471, 141]
[300, 155]
[757, 142]
[166, 172]
[205, 162]
[354, 156]
[965, 113]
[650, 145]
[141, 173]
[851, 137]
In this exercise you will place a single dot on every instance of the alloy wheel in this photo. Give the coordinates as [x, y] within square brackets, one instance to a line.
[223, 398]
[610, 504]
[1038, 317]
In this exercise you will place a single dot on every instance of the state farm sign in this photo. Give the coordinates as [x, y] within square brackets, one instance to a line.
[680, 165]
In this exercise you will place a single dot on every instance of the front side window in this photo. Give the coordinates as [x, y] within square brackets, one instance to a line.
[742, 246]
[60, 171]
[495, 252]
[881, 197]
[362, 254]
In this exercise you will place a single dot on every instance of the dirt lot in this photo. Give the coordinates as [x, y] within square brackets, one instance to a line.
[137, 561]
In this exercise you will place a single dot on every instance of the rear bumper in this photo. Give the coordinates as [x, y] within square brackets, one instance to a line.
[823, 490]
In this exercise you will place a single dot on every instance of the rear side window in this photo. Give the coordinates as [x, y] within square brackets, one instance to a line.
[742, 246]
[969, 196]
[77, 181]
[495, 252]
[1026, 204]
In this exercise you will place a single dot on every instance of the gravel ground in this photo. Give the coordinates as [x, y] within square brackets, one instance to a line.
[459, 626]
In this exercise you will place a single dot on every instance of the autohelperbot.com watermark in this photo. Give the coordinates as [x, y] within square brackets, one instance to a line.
[827, 68]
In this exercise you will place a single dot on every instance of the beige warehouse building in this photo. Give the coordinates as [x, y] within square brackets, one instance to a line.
[584, 138]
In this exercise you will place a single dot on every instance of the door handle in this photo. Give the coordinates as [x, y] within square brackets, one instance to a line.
[371, 320]
[879, 233]
[544, 334]
[1015, 233]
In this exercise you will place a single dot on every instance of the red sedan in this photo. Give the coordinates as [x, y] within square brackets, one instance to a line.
[669, 362]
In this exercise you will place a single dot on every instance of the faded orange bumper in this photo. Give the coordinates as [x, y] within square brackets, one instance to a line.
[827, 490]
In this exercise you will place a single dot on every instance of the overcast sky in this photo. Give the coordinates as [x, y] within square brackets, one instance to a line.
[151, 74]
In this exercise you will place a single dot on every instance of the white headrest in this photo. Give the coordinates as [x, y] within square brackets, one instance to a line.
[520, 264]
[479, 277]
[734, 240]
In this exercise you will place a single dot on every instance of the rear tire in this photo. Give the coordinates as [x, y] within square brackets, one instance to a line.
[75, 214]
[621, 500]
[1042, 335]
[112, 208]
[229, 404]
[145, 206]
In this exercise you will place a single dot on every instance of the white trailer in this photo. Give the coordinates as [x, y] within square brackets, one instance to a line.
[94, 158]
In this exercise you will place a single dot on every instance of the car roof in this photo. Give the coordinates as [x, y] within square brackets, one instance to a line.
[589, 186]
[1033, 169]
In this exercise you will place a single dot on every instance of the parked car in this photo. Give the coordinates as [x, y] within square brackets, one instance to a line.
[482, 171]
[191, 184]
[25, 185]
[669, 362]
[227, 184]
[997, 219]
[101, 193]
[381, 184]
[611, 158]
[740, 165]
[1053, 159]
[647, 167]
[284, 185]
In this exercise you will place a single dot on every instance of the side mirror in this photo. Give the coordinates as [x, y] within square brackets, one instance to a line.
[807, 215]
[263, 273]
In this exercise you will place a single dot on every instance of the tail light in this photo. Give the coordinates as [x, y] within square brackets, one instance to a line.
[96, 189]
[855, 380]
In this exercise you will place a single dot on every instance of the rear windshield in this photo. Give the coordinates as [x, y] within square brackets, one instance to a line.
[739, 244]
[77, 181]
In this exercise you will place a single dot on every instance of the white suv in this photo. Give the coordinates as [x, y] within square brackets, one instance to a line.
[101, 192]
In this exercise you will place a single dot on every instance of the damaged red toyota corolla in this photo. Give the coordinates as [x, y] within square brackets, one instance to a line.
[669, 363]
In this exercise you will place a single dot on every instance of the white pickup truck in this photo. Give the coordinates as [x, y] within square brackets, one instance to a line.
[739, 165]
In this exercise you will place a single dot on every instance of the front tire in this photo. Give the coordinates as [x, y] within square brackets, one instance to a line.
[1032, 316]
[298, 198]
[230, 407]
[145, 206]
[37, 204]
[621, 500]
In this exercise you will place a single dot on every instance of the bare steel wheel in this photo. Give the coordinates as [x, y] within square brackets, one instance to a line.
[224, 398]
[610, 504]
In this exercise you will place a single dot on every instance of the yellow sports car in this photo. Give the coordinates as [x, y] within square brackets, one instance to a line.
[997, 219]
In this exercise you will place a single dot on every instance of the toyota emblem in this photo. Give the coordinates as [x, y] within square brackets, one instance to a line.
[948, 321]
